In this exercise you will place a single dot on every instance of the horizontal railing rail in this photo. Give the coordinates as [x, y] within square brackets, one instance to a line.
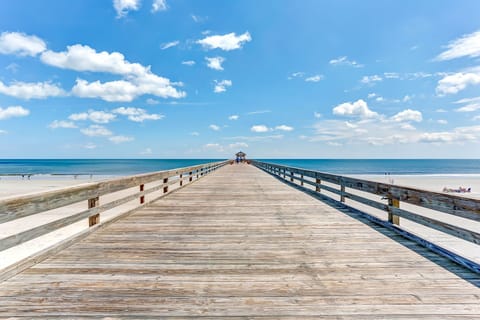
[450, 204]
[23, 206]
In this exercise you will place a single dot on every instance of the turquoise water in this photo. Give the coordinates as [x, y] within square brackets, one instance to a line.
[337, 166]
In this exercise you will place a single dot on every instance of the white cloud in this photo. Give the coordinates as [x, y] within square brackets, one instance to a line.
[94, 116]
[147, 151]
[152, 101]
[471, 104]
[466, 46]
[298, 74]
[476, 118]
[317, 115]
[284, 128]
[315, 78]
[215, 146]
[408, 115]
[21, 44]
[334, 144]
[126, 91]
[234, 117]
[371, 95]
[391, 75]
[195, 134]
[159, 5]
[167, 45]
[259, 128]
[188, 63]
[31, 90]
[456, 82]
[215, 63]
[120, 139]
[137, 114]
[12, 67]
[442, 121]
[225, 42]
[343, 61]
[3, 132]
[379, 99]
[139, 80]
[256, 138]
[371, 79]
[96, 130]
[214, 127]
[122, 7]
[358, 108]
[238, 145]
[13, 112]
[62, 124]
[221, 86]
[407, 98]
[258, 112]
[83, 58]
[90, 146]
[440, 110]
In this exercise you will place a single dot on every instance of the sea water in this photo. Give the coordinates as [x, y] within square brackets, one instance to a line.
[121, 167]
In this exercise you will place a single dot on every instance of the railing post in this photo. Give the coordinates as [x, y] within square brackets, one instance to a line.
[94, 219]
[301, 179]
[291, 176]
[284, 173]
[392, 218]
[181, 180]
[342, 193]
[190, 177]
[318, 182]
[142, 198]
[165, 188]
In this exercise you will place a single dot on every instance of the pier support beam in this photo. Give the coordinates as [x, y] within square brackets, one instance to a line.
[395, 203]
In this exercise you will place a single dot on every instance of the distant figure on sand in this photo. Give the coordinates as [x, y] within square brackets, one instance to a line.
[459, 190]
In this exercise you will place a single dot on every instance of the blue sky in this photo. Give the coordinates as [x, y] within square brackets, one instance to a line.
[204, 79]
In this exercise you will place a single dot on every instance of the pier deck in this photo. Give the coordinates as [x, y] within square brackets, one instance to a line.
[240, 243]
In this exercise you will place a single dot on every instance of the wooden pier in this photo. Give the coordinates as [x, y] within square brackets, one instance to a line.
[239, 243]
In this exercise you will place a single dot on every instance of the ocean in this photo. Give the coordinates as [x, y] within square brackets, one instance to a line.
[121, 167]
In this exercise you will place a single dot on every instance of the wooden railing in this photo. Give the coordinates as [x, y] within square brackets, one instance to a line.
[392, 195]
[24, 206]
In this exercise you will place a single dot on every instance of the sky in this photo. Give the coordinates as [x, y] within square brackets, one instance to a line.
[205, 79]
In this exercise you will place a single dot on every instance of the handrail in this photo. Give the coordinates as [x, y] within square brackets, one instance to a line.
[23, 206]
[451, 204]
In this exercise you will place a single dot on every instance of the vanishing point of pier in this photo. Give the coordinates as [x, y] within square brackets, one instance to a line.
[237, 243]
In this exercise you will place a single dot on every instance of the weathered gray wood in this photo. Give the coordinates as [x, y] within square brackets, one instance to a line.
[454, 205]
[447, 203]
[18, 207]
[93, 211]
[215, 250]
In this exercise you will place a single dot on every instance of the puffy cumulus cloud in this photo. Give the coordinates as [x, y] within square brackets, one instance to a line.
[167, 45]
[159, 5]
[96, 130]
[137, 114]
[259, 128]
[13, 112]
[456, 82]
[94, 116]
[31, 90]
[408, 115]
[214, 127]
[358, 108]
[120, 139]
[215, 63]
[284, 128]
[371, 79]
[62, 124]
[21, 44]
[344, 61]
[234, 117]
[225, 42]
[221, 86]
[125, 91]
[188, 63]
[466, 46]
[122, 7]
[315, 78]
[138, 80]
[83, 58]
